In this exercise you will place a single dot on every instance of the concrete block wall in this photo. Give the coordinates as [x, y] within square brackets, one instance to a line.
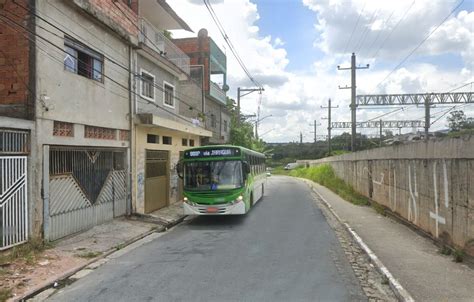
[429, 184]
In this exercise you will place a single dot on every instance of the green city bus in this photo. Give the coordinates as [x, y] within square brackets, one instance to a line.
[221, 180]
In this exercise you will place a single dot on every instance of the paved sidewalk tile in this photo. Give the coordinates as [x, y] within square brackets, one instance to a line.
[413, 259]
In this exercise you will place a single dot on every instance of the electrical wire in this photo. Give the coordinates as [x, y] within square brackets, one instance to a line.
[421, 43]
[105, 76]
[229, 43]
[470, 83]
[393, 29]
[354, 28]
[380, 31]
[385, 114]
[364, 34]
[125, 68]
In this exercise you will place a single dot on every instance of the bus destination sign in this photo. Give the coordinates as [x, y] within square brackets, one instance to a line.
[220, 152]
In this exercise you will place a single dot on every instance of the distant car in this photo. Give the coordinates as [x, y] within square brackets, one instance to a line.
[291, 166]
[269, 173]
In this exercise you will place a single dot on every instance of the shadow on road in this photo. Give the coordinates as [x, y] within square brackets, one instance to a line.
[217, 222]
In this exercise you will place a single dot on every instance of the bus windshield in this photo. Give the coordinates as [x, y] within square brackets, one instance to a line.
[213, 175]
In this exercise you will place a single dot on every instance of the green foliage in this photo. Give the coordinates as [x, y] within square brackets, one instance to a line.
[168, 34]
[89, 255]
[280, 171]
[445, 250]
[29, 251]
[241, 132]
[457, 121]
[324, 175]
[458, 255]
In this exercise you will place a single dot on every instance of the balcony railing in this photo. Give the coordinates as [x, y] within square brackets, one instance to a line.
[218, 93]
[156, 40]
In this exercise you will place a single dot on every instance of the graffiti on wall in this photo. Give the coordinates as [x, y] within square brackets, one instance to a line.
[412, 201]
[435, 215]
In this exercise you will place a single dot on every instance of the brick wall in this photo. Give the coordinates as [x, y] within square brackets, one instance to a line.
[198, 51]
[15, 99]
[115, 14]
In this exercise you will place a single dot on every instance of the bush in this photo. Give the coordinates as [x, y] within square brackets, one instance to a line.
[324, 175]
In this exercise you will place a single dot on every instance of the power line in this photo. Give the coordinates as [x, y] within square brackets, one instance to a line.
[380, 31]
[354, 28]
[229, 42]
[470, 83]
[421, 43]
[393, 29]
[366, 31]
[105, 76]
[125, 68]
[385, 114]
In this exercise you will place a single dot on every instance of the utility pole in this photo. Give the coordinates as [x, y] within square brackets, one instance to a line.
[381, 126]
[315, 135]
[353, 87]
[301, 137]
[239, 95]
[329, 124]
[427, 116]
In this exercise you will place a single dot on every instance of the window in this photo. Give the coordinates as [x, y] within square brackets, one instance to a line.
[167, 140]
[225, 126]
[213, 121]
[153, 139]
[184, 141]
[168, 94]
[191, 142]
[147, 87]
[82, 60]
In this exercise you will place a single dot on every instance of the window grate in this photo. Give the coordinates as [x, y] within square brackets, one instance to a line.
[14, 141]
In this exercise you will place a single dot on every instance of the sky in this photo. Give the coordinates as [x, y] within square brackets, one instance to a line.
[293, 47]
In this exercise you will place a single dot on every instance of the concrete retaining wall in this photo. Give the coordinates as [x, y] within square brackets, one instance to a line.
[430, 184]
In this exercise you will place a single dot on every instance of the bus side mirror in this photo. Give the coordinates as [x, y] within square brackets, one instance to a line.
[246, 167]
[179, 169]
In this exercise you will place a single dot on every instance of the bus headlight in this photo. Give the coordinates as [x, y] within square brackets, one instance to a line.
[239, 199]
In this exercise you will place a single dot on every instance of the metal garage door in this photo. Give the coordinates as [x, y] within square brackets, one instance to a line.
[156, 180]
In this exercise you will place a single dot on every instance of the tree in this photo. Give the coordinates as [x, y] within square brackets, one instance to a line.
[457, 120]
[241, 133]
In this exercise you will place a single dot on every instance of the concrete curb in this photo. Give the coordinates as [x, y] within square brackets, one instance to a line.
[401, 293]
[50, 282]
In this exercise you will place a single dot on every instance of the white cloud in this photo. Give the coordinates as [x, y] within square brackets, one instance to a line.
[294, 100]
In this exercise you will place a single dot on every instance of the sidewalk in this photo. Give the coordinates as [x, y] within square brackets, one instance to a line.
[412, 259]
[27, 278]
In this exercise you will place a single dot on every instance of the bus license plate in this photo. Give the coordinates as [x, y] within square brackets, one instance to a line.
[212, 210]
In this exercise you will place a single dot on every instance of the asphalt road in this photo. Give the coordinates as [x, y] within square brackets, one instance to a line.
[282, 250]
